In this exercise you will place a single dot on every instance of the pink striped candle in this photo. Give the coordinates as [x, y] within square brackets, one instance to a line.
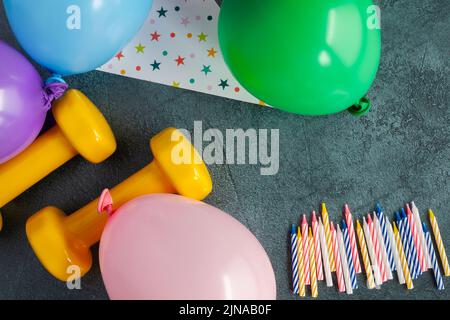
[376, 246]
[337, 259]
[352, 237]
[304, 227]
[316, 237]
[416, 238]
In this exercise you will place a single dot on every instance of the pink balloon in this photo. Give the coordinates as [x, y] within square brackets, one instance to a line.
[165, 246]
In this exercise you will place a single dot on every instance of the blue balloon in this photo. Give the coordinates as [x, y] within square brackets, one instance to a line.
[75, 36]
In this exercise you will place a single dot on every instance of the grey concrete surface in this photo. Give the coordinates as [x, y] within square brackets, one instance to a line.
[398, 152]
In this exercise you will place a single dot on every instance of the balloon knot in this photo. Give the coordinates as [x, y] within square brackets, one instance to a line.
[54, 88]
[360, 108]
[105, 203]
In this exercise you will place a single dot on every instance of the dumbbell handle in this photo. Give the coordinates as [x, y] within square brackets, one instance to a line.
[47, 153]
[86, 224]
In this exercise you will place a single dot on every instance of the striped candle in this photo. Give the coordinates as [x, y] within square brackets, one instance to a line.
[344, 263]
[376, 247]
[339, 270]
[415, 260]
[405, 242]
[326, 225]
[440, 244]
[312, 266]
[398, 265]
[387, 240]
[304, 226]
[348, 251]
[316, 238]
[351, 232]
[402, 257]
[432, 255]
[418, 221]
[294, 257]
[373, 258]
[416, 238]
[384, 256]
[301, 267]
[326, 261]
[365, 256]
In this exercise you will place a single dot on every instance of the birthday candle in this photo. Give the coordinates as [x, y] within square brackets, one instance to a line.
[326, 261]
[434, 263]
[387, 240]
[326, 226]
[405, 242]
[384, 256]
[312, 265]
[339, 270]
[398, 265]
[351, 232]
[421, 235]
[344, 263]
[376, 247]
[318, 258]
[301, 273]
[402, 257]
[373, 257]
[416, 238]
[304, 226]
[365, 256]
[415, 260]
[348, 252]
[440, 244]
[294, 256]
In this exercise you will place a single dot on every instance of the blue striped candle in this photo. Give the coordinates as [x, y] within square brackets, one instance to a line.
[403, 237]
[387, 241]
[294, 256]
[432, 255]
[412, 246]
[348, 252]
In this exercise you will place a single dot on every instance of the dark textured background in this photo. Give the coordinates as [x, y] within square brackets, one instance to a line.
[398, 152]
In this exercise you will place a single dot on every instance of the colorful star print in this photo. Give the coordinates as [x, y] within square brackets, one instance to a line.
[180, 60]
[202, 37]
[206, 69]
[224, 84]
[155, 65]
[162, 12]
[155, 36]
[120, 55]
[185, 21]
[212, 52]
[140, 48]
[178, 46]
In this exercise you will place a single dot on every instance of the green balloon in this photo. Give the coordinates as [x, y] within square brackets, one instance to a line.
[311, 57]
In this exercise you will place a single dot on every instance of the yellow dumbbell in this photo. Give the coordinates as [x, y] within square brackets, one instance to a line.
[81, 129]
[61, 241]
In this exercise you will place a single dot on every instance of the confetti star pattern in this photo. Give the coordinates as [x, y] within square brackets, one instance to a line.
[180, 61]
[206, 69]
[140, 48]
[155, 36]
[212, 52]
[224, 84]
[162, 13]
[155, 65]
[120, 55]
[202, 37]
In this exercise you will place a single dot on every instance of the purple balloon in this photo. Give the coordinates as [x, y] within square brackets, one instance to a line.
[22, 103]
